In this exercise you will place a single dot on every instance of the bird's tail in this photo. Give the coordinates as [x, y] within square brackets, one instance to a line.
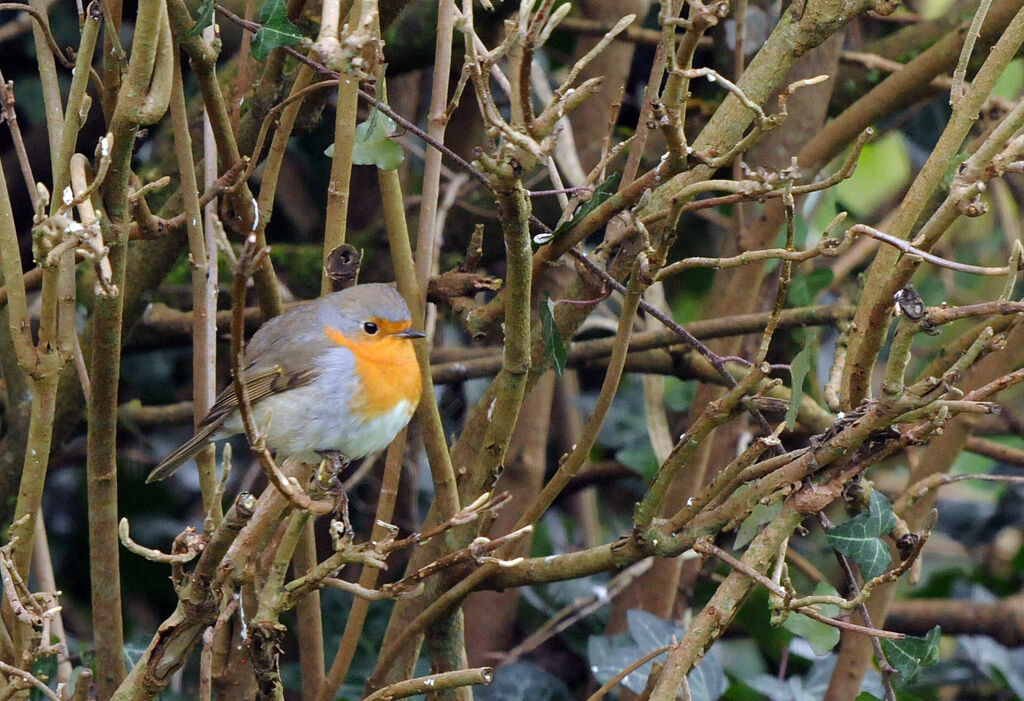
[179, 457]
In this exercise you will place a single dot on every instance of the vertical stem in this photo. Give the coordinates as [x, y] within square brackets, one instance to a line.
[739, 49]
[101, 475]
[369, 575]
[33, 476]
[514, 206]
[309, 625]
[330, 23]
[446, 499]
[30, 495]
[105, 373]
[204, 340]
[272, 171]
[67, 335]
[425, 233]
[73, 117]
[48, 308]
[339, 187]
[785, 277]
[957, 91]
[206, 666]
[14, 283]
[899, 358]
[42, 370]
[427, 414]
[50, 84]
[206, 381]
[446, 640]
[113, 58]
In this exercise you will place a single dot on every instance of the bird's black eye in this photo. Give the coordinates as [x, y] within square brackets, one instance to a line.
[370, 327]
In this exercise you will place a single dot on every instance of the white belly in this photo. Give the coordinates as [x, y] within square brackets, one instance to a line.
[301, 420]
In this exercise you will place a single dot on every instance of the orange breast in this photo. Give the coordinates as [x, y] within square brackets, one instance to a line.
[388, 370]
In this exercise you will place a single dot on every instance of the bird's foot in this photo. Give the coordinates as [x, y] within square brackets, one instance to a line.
[328, 480]
[341, 511]
[332, 463]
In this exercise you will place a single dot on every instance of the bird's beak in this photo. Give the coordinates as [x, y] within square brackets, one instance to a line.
[410, 333]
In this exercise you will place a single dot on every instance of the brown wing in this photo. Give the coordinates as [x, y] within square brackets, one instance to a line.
[260, 385]
[278, 357]
[281, 356]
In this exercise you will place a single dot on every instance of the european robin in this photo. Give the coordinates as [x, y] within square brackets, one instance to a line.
[334, 375]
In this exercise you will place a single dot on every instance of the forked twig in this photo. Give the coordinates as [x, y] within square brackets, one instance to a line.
[706, 547]
[154, 555]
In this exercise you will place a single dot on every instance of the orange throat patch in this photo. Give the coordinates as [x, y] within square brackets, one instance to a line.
[387, 369]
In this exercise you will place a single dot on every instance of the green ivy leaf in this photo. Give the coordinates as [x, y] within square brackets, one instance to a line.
[373, 145]
[805, 288]
[883, 169]
[204, 18]
[523, 681]
[601, 194]
[810, 686]
[609, 654]
[798, 368]
[624, 432]
[759, 515]
[650, 631]
[995, 661]
[554, 348]
[909, 655]
[858, 537]
[820, 636]
[277, 30]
